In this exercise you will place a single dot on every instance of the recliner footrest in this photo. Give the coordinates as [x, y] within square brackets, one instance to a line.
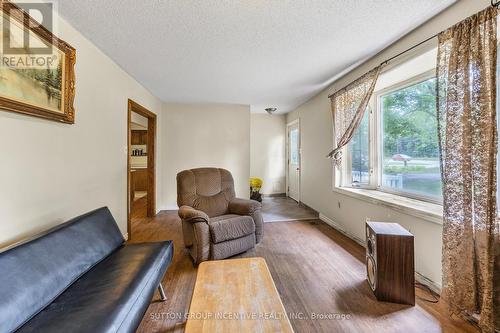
[228, 227]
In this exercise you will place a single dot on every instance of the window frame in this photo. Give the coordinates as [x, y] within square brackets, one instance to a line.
[375, 139]
[346, 171]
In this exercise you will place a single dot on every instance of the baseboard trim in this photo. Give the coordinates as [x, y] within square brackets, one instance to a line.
[309, 207]
[339, 228]
[434, 286]
[169, 207]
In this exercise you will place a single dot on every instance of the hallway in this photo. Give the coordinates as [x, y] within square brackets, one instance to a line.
[280, 209]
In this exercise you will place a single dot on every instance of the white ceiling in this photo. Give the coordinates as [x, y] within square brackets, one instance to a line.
[258, 52]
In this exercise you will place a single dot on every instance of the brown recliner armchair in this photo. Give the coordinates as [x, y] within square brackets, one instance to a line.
[215, 224]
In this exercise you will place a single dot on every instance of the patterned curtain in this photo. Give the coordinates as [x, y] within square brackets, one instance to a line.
[348, 108]
[466, 89]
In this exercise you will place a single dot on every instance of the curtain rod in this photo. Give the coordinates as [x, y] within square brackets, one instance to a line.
[408, 49]
[385, 62]
[493, 4]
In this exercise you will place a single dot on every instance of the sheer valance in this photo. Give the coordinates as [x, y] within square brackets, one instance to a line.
[348, 108]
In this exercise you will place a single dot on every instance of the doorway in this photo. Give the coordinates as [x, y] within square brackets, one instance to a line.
[141, 164]
[293, 160]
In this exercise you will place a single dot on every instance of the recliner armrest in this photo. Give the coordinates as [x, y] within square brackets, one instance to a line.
[192, 215]
[243, 206]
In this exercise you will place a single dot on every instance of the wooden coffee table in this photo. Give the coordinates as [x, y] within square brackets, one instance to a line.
[236, 295]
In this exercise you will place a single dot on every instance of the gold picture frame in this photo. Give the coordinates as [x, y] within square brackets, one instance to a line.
[44, 92]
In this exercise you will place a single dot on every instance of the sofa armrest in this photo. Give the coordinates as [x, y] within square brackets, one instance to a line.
[243, 206]
[192, 215]
[251, 208]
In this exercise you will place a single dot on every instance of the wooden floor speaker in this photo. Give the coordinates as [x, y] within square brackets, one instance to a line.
[390, 262]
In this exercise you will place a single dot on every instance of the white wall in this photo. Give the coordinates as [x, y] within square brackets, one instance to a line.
[204, 135]
[50, 172]
[267, 151]
[316, 136]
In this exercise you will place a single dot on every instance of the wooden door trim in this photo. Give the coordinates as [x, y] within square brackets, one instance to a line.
[151, 197]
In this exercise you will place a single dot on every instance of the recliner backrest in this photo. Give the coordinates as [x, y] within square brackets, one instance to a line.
[205, 189]
[36, 271]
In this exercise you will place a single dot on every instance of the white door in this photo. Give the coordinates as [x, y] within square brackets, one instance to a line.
[293, 172]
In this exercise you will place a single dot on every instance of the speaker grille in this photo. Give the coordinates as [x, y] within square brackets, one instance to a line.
[371, 263]
[371, 272]
[369, 247]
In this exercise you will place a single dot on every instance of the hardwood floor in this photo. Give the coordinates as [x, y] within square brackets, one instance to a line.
[317, 271]
[139, 208]
[279, 209]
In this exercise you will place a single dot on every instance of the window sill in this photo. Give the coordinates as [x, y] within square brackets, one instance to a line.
[425, 210]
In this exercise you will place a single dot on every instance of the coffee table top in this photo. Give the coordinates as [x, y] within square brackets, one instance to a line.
[236, 295]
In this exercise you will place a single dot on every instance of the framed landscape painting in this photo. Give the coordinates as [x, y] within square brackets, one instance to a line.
[37, 75]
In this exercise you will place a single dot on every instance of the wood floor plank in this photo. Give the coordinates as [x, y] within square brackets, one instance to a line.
[317, 271]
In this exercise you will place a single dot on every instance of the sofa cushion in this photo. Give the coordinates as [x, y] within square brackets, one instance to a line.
[112, 297]
[227, 227]
[36, 271]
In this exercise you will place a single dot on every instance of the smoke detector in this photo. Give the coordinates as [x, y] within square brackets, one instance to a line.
[271, 110]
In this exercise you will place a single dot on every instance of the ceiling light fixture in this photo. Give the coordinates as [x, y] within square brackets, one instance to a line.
[271, 110]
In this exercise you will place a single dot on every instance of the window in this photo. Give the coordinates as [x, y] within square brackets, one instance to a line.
[395, 149]
[409, 148]
[294, 153]
[360, 154]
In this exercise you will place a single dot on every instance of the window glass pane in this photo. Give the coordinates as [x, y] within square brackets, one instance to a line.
[294, 154]
[410, 152]
[359, 147]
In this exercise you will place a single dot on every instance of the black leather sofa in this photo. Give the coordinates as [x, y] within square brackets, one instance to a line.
[80, 277]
